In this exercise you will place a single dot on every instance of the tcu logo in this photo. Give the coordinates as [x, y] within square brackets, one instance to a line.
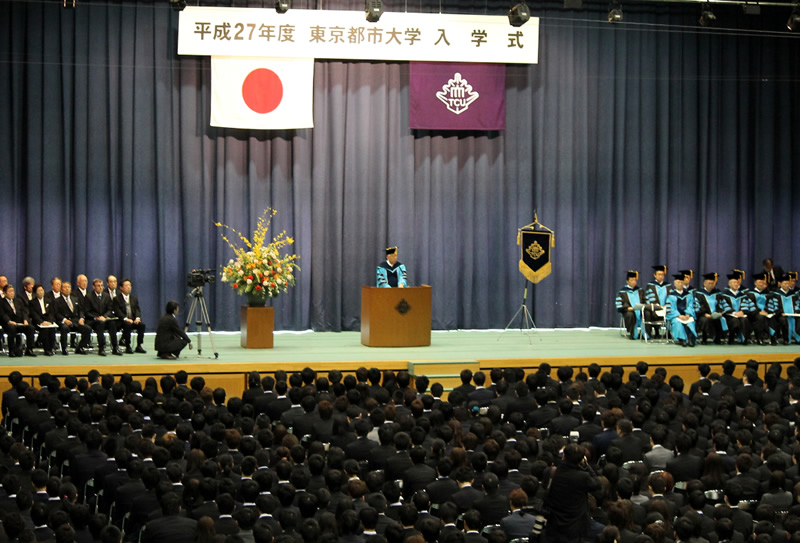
[457, 94]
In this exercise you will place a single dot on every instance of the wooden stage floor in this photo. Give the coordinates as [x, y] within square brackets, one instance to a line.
[452, 350]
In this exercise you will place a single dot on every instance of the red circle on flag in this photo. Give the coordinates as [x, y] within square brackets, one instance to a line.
[262, 90]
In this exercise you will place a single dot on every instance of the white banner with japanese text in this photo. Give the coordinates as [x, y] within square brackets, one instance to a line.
[332, 34]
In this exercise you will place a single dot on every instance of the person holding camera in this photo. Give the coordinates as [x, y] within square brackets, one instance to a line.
[567, 497]
[170, 339]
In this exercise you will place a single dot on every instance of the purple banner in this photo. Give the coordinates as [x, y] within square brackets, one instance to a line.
[457, 96]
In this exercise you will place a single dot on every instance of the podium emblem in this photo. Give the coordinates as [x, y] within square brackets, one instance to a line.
[402, 307]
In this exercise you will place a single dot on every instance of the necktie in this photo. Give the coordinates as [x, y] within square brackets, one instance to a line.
[128, 308]
[11, 303]
[69, 302]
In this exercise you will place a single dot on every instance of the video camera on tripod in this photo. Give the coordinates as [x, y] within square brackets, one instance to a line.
[199, 277]
[198, 309]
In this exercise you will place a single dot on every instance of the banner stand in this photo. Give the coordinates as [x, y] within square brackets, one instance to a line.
[536, 242]
[527, 324]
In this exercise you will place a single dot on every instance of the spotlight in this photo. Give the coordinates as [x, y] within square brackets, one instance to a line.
[177, 5]
[282, 6]
[707, 17]
[519, 14]
[374, 9]
[793, 23]
[69, 4]
[615, 12]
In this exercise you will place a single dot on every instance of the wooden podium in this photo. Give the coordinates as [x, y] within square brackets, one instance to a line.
[257, 325]
[396, 317]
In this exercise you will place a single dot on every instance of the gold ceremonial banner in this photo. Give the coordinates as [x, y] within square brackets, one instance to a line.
[535, 243]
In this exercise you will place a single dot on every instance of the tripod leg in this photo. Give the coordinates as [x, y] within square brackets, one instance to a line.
[204, 315]
[189, 315]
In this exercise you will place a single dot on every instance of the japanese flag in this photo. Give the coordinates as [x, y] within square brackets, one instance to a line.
[262, 93]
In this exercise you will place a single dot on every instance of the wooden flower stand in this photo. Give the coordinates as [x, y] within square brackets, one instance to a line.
[257, 325]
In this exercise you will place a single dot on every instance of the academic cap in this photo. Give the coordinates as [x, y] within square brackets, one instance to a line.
[713, 276]
[391, 250]
[678, 276]
[761, 276]
[660, 267]
[632, 274]
[688, 273]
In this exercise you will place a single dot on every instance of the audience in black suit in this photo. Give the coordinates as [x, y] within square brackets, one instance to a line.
[226, 466]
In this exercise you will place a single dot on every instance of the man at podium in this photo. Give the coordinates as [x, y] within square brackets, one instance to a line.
[392, 273]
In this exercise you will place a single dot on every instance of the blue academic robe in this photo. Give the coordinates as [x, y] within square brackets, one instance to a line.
[706, 302]
[681, 303]
[391, 276]
[730, 302]
[656, 293]
[781, 302]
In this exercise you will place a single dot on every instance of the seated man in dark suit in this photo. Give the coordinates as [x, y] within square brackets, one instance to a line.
[14, 319]
[126, 307]
[99, 314]
[69, 316]
[629, 444]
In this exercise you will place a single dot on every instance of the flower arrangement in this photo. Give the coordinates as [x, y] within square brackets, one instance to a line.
[259, 270]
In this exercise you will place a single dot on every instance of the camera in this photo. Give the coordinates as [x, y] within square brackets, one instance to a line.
[199, 277]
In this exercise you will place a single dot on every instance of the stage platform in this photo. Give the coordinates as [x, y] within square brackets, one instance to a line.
[443, 360]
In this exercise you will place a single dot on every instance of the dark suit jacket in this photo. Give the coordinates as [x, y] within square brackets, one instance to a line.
[360, 448]
[440, 490]
[166, 333]
[417, 477]
[7, 314]
[630, 446]
[63, 311]
[120, 309]
[493, 508]
[97, 306]
[466, 497]
[174, 529]
[685, 467]
[37, 316]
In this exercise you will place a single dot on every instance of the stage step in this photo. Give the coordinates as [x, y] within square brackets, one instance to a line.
[446, 372]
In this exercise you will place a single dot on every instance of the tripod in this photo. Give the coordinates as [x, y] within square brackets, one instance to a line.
[201, 309]
[527, 323]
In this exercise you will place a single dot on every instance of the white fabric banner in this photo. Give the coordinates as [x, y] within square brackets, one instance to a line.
[262, 93]
[333, 34]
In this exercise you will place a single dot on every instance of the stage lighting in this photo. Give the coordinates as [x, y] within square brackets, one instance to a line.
[707, 17]
[615, 12]
[69, 4]
[374, 9]
[177, 5]
[793, 23]
[519, 14]
[282, 6]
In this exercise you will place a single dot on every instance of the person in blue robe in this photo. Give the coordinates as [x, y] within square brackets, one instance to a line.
[734, 305]
[764, 325]
[783, 302]
[709, 321]
[655, 294]
[680, 313]
[627, 299]
[391, 273]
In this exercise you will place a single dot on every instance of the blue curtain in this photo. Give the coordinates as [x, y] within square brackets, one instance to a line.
[649, 142]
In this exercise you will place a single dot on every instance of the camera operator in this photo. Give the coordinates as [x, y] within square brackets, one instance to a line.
[567, 500]
[170, 339]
